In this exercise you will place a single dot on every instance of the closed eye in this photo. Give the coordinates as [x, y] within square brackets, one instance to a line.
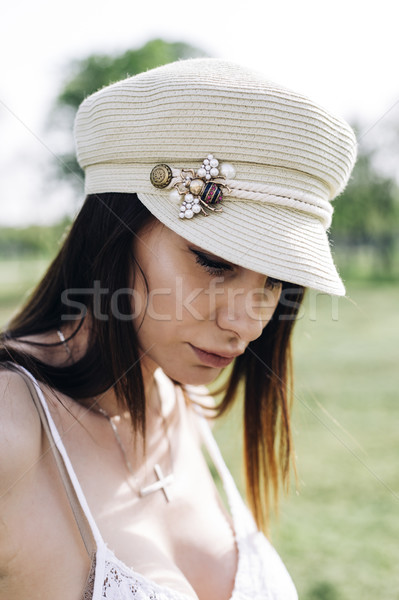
[212, 266]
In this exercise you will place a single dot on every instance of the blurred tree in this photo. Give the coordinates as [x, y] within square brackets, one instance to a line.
[96, 71]
[367, 215]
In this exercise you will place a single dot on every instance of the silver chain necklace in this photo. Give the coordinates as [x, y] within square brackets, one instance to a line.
[163, 481]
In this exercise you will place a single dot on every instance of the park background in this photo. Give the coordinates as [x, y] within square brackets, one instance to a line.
[338, 529]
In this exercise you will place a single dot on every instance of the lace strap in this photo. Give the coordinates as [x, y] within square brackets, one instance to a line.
[80, 517]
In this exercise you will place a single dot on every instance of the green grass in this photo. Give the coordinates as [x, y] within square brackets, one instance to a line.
[18, 277]
[339, 532]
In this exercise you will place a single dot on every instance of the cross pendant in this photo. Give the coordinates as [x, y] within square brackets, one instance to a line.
[158, 485]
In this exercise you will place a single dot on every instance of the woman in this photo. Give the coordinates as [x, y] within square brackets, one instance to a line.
[208, 199]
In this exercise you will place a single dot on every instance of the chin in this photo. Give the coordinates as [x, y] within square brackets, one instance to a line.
[198, 376]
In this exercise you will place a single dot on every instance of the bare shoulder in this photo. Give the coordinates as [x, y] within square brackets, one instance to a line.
[20, 448]
[20, 428]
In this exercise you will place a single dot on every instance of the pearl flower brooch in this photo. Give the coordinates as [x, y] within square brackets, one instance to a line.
[196, 192]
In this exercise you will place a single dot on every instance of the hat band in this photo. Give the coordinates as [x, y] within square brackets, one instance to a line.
[276, 195]
[135, 178]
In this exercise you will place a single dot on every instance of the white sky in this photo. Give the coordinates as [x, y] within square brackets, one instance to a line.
[344, 54]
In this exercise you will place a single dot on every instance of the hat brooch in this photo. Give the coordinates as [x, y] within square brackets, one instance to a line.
[196, 192]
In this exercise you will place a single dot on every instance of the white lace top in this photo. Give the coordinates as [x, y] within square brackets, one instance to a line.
[260, 574]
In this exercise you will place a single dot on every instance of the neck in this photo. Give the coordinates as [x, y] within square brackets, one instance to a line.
[109, 403]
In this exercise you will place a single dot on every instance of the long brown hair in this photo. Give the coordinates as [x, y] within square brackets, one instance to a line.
[98, 251]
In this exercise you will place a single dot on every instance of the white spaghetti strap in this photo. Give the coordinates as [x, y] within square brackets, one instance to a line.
[68, 466]
[244, 522]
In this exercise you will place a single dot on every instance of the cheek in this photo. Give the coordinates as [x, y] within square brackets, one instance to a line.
[261, 304]
[274, 299]
[177, 301]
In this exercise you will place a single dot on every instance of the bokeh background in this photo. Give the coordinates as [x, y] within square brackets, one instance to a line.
[338, 529]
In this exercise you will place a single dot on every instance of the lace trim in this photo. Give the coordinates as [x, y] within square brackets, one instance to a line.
[122, 585]
[89, 586]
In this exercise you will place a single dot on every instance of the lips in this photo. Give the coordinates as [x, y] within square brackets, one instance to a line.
[211, 359]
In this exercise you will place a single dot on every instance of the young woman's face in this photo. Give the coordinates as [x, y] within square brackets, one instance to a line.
[199, 311]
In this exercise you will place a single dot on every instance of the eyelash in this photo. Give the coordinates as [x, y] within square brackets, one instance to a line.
[213, 267]
[218, 269]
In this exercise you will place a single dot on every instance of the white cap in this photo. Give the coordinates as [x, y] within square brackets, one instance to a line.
[287, 158]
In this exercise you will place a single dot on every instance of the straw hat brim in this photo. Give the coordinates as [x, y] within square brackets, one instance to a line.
[282, 243]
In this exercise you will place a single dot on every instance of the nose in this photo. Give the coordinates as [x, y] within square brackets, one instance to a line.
[247, 307]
